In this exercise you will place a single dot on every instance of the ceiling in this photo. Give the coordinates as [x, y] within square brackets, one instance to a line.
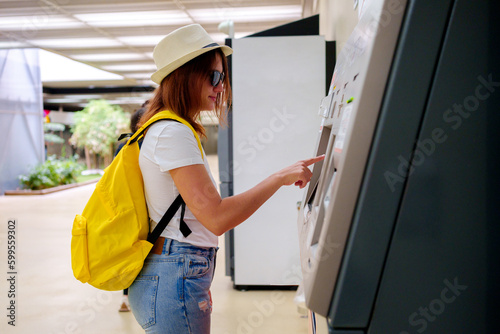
[119, 37]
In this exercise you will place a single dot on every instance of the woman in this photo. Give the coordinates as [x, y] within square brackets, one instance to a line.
[171, 294]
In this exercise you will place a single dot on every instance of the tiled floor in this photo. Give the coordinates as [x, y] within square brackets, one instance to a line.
[49, 300]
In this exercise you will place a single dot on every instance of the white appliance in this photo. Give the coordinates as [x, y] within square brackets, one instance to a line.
[277, 83]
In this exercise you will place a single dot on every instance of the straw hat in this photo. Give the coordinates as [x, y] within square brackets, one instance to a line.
[180, 46]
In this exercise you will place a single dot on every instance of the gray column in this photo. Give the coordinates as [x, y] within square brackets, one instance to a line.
[21, 115]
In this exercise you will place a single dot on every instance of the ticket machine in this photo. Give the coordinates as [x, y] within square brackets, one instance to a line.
[397, 227]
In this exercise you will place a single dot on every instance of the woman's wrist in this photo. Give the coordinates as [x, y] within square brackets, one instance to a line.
[278, 178]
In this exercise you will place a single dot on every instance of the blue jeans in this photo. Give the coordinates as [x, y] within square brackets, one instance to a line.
[171, 293]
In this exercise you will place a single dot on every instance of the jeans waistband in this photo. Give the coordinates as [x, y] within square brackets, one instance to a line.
[168, 246]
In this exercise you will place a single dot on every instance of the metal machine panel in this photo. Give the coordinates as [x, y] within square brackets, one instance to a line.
[351, 112]
[441, 272]
[409, 242]
[387, 167]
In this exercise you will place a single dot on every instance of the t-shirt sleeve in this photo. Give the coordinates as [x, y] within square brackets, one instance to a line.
[176, 146]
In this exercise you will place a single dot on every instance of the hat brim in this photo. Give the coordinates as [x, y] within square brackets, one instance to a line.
[159, 75]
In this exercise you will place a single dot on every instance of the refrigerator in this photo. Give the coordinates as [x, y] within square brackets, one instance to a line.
[277, 83]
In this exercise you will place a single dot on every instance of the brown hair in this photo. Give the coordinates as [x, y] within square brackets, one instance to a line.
[179, 91]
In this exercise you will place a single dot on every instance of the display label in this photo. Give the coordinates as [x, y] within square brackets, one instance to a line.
[344, 123]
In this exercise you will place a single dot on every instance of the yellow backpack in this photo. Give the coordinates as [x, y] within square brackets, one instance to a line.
[110, 238]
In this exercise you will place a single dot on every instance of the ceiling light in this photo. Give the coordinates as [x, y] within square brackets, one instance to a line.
[108, 56]
[54, 67]
[247, 14]
[13, 45]
[29, 24]
[128, 19]
[130, 67]
[74, 43]
[141, 40]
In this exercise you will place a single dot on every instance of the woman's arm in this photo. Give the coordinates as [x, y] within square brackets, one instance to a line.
[220, 215]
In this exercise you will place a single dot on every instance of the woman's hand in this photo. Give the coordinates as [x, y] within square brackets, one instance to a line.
[219, 215]
[298, 174]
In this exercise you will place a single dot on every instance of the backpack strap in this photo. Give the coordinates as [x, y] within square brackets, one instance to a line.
[167, 217]
[165, 114]
[183, 227]
[178, 202]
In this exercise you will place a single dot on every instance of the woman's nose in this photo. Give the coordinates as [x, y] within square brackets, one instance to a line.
[219, 88]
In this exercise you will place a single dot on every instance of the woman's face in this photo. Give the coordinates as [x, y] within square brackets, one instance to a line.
[209, 92]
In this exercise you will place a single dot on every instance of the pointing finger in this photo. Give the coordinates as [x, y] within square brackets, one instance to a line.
[314, 160]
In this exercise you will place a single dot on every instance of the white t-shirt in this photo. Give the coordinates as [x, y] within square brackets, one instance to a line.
[169, 145]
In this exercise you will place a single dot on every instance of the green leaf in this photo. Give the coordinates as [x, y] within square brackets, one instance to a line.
[53, 138]
[51, 173]
[53, 126]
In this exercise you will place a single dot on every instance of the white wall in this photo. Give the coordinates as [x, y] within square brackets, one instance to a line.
[337, 19]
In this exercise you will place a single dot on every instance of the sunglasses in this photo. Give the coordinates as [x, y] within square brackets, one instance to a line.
[216, 77]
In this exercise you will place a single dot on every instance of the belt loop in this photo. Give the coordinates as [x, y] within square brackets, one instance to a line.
[166, 246]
